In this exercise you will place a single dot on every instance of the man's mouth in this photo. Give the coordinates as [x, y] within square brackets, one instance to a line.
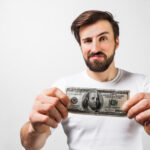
[97, 56]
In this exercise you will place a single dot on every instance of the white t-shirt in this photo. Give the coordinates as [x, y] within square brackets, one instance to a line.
[89, 132]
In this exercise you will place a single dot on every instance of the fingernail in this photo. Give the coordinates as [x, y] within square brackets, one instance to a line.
[129, 116]
[138, 118]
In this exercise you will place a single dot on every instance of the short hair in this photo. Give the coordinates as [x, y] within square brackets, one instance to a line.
[91, 17]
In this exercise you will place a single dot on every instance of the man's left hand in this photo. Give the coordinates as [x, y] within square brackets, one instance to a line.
[138, 107]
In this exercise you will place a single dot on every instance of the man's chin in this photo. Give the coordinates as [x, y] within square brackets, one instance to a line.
[97, 68]
[97, 71]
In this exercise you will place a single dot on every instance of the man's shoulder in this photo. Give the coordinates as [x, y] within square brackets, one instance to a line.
[133, 75]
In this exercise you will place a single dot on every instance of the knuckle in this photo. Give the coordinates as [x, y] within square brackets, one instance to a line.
[62, 96]
[38, 97]
[54, 124]
[45, 119]
[56, 101]
[44, 91]
[141, 95]
[54, 89]
[146, 103]
[49, 107]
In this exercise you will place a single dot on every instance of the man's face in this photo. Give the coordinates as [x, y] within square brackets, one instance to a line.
[98, 45]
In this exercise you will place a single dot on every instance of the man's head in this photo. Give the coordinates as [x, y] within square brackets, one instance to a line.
[97, 34]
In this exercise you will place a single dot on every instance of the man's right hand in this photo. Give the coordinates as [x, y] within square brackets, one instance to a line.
[49, 108]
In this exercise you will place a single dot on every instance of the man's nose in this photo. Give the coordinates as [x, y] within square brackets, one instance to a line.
[95, 47]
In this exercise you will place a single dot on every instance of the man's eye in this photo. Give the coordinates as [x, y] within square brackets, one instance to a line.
[103, 39]
[87, 41]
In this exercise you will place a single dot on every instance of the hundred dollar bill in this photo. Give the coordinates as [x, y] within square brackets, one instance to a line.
[97, 101]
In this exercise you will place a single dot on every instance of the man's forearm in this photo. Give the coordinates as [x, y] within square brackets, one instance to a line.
[31, 139]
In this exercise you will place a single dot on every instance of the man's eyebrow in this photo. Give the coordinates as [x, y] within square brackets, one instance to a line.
[103, 33]
[97, 35]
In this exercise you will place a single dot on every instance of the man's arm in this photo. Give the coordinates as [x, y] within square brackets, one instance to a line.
[31, 139]
[48, 110]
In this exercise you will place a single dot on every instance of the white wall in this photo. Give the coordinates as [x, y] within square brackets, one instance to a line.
[37, 48]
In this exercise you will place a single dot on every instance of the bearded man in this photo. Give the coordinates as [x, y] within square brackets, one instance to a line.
[97, 34]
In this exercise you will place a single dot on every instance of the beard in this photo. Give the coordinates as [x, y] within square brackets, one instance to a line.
[97, 65]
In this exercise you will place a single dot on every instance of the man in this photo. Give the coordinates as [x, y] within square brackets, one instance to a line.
[98, 36]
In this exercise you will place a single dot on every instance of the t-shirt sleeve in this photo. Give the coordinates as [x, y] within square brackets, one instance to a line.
[147, 84]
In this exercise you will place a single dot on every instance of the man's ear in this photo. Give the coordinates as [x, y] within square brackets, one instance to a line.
[117, 42]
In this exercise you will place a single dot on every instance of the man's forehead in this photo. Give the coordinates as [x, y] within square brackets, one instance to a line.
[95, 29]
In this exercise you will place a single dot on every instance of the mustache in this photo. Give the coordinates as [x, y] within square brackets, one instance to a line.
[98, 53]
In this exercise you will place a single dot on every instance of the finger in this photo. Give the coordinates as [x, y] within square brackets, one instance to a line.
[138, 108]
[55, 92]
[49, 110]
[37, 118]
[135, 99]
[143, 116]
[147, 96]
[55, 114]
[62, 109]
[147, 123]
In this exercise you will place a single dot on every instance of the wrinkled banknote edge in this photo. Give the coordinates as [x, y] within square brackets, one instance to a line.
[112, 90]
[96, 114]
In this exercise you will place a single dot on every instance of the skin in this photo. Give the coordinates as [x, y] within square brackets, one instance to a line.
[91, 42]
[50, 107]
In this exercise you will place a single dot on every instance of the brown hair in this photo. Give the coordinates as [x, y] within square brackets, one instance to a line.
[91, 17]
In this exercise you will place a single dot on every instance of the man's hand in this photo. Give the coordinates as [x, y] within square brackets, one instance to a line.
[138, 107]
[49, 109]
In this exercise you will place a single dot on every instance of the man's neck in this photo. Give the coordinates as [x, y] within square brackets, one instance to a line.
[105, 76]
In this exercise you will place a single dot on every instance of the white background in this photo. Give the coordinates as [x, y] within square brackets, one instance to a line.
[37, 48]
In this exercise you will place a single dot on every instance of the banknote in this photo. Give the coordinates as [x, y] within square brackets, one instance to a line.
[97, 101]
